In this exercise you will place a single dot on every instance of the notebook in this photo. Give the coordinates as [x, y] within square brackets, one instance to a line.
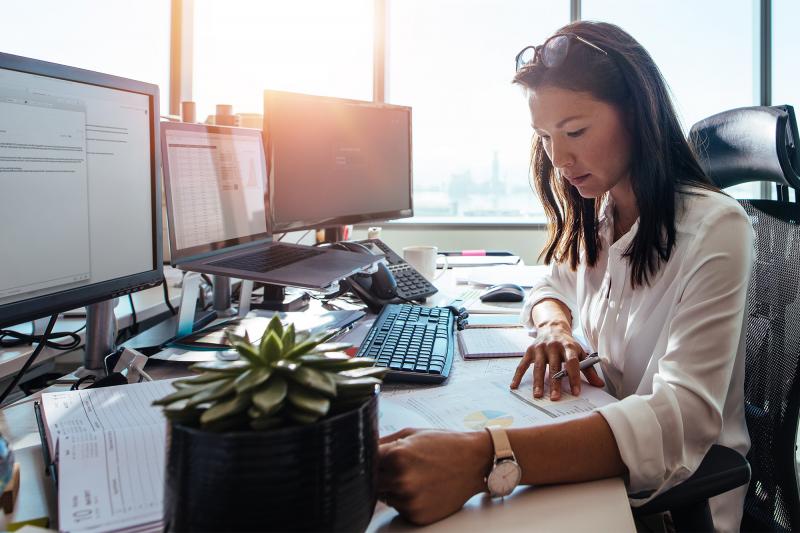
[108, 445]
[216, 188]
[477, 343]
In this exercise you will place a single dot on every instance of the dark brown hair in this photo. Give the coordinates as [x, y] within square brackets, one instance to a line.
[661, 159]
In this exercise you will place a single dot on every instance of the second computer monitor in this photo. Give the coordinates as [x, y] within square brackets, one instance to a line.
[333, 161]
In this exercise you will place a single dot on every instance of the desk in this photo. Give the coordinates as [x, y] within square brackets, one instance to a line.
[602, 505]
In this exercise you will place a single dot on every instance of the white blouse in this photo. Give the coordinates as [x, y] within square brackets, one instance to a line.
[671, 351]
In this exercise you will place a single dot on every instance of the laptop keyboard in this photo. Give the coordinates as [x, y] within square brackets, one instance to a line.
[276, 256]
[416, 343]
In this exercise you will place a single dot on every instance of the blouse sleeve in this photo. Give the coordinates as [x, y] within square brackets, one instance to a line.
[560, 284]
[663, 436]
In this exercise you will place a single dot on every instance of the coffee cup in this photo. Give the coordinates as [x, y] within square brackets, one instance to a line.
[423, 259]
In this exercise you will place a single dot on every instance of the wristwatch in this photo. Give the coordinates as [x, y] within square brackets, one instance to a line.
[506, 472]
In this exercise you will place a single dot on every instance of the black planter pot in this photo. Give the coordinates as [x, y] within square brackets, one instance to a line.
[320, 477]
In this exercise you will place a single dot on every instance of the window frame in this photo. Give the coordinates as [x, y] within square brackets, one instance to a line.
[182, 57]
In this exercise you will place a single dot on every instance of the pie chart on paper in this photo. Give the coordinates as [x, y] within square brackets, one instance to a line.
[480, 419]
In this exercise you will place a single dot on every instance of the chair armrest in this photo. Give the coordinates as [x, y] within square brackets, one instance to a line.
[721, 470]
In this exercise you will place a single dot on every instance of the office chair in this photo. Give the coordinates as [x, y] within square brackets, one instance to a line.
[739, 146]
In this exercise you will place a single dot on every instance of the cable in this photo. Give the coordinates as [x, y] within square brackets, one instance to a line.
[279, 239]
[31, 359]
[18, 339]
[166, 296]
[303, 236]
[135, 325]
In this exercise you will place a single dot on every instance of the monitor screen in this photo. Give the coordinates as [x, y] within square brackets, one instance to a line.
[215, 181]
[79, 188]
[333, 161]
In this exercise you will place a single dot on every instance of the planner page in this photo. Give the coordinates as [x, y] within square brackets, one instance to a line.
[110, 449]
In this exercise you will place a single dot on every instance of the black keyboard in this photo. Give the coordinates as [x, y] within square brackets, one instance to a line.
[416, 343]
[276, 256]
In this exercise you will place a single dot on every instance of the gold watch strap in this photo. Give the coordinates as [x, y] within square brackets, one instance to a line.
[502, 446]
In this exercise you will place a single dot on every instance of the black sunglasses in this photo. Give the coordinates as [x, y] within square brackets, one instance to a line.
[553, 52]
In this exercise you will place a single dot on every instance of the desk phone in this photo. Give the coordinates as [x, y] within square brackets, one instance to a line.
[411, 285]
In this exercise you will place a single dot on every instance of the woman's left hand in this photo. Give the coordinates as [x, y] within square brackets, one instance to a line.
[427, 475]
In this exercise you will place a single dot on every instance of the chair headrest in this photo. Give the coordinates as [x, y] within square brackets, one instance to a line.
[749, 144]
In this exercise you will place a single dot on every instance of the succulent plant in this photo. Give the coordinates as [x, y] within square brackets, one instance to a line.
[288, 378]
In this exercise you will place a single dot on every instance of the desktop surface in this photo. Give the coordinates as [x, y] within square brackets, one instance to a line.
[604, 504]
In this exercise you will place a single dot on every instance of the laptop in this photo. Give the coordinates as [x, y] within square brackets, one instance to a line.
[217, 205]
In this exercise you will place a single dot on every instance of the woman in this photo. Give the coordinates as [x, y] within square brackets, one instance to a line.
[648, 260]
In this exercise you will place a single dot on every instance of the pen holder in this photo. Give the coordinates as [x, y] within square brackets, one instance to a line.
[316, 477]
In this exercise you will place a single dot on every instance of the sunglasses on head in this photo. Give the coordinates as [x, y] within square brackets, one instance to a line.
[553, 52]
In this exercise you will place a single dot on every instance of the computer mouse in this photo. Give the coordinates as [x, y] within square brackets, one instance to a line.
[505, 292]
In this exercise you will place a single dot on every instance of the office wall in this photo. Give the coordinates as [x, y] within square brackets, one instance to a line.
[524, 241]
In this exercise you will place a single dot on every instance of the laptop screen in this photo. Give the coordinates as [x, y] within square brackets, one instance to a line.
[215, 181]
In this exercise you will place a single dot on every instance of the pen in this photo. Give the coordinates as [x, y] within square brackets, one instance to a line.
[476, 252]
[586, 363]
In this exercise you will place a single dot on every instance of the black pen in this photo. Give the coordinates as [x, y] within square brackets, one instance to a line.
[586, 363]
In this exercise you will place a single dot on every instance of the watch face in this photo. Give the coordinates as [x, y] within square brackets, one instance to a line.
[504, 477]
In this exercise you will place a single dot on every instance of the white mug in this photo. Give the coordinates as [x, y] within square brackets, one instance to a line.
[423, 258]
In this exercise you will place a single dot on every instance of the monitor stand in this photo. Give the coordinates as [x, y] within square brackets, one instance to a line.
[222, 296]
[275, 298]
[187, 320]
[334, 234]
[101, 336]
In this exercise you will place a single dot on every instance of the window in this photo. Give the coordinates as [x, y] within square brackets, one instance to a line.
[785, 42]
[453, 61]
[242, 47]
[705, 51]
[121, 38]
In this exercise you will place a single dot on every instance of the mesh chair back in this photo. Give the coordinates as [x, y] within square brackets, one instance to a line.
[771, 365]
[759, 144]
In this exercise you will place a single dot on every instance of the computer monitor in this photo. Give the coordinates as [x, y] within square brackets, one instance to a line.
[332, 161]
[215, 182]
[80, 200]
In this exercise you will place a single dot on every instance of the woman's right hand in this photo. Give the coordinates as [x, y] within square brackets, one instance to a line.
[553, 345]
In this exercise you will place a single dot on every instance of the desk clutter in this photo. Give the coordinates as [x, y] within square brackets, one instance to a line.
[246, 440]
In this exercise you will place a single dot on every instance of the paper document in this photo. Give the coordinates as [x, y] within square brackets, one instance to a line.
[255, 323]
[490, 320]
[110, 449]
[473, 404]
[493, 342]
[469, 298]
[476, 260]
[524, 276]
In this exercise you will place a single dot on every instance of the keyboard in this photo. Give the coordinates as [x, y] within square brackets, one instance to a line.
[274, 257]
[416, 343]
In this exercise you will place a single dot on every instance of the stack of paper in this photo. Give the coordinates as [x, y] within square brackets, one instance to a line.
[109, 445]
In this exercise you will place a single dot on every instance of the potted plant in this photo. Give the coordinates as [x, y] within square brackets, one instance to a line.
[284, 439]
